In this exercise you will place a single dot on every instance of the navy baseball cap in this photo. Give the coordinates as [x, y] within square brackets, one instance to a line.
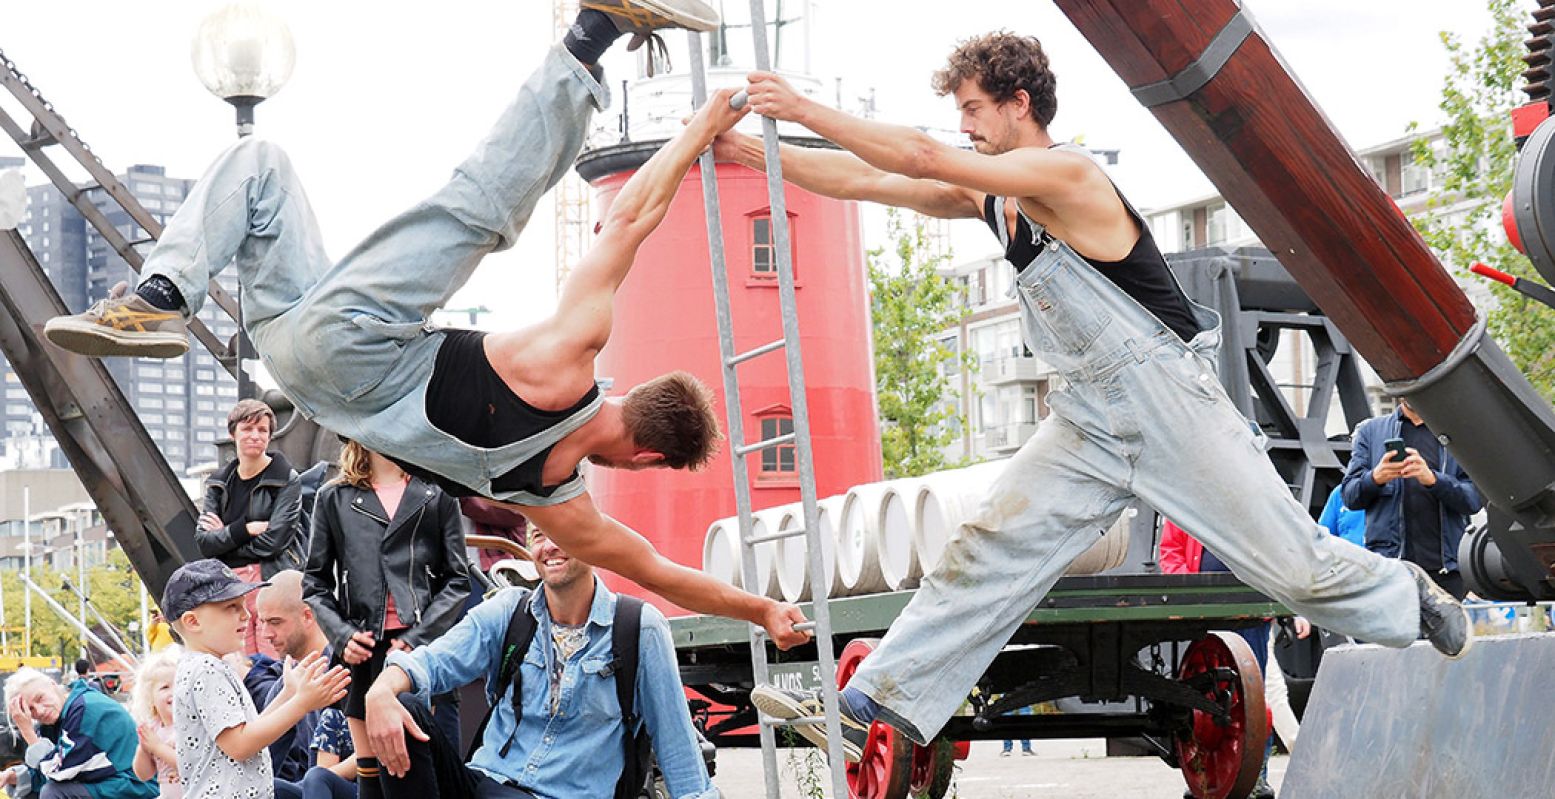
[200, 582]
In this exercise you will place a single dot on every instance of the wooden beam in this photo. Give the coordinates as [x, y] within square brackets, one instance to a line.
[1275, 158]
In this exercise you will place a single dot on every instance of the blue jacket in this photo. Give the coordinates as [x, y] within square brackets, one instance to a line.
[577, 750]
[1341, 521]
[1383, 504]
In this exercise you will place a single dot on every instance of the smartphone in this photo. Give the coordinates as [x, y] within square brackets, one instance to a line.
[1396, 446]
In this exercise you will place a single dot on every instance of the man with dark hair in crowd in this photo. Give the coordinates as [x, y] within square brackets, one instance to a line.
[1416, 496]
[251, 518]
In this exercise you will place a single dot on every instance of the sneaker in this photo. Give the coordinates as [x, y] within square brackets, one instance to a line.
[124, 324]
[641, 17]
[783, 704]
[1443, 620]
[1027, 753]
[1262, 790]
[1004, 753]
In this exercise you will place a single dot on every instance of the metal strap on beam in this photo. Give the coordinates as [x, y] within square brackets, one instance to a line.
[1204, 68]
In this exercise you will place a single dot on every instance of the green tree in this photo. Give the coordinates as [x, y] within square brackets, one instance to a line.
[1473, 168]
[911, 306]
[113, 588]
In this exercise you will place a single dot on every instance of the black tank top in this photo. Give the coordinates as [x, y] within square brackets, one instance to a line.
[1142, 274]
[468, 400]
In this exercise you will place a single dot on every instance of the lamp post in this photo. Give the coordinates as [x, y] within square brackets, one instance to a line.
[244, 55]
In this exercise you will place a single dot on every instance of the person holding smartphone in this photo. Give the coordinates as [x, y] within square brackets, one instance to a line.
[1417, 498]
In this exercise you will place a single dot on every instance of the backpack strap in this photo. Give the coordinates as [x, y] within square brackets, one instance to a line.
[515, 645]
[625, 634]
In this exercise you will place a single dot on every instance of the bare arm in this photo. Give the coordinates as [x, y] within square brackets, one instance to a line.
[845, 176]
[583, 532]
[311, 684]
[583, 315]
[1058, 179]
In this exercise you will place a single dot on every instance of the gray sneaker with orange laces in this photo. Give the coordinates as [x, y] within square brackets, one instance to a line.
[123, 325]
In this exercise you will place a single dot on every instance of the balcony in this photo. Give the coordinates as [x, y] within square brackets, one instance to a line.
[1012, 369]
[1005, 439]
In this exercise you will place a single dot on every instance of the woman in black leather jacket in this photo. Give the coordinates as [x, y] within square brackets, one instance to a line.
[386, 568]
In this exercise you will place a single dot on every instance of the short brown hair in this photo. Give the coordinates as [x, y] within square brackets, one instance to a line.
[673, 415]
[1003, 63]
[248, 410]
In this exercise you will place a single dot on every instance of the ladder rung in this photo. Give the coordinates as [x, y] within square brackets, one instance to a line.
[773, 722]
[802, 627]
[777, 536]
[758, 352]
[786, 438]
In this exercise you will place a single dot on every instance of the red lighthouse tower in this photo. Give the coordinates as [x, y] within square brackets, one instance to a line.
[664, 320]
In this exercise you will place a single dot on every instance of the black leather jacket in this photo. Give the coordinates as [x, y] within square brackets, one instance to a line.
[356, 552]
[277, 499]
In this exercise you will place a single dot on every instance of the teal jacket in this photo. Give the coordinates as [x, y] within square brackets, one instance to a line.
[94, 746]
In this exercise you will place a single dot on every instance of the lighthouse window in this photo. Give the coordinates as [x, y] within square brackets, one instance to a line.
[763, 254]
[779, 459]
[764, 249]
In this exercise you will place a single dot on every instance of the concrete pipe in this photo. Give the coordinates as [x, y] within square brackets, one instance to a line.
[793, 554]
[721, 551]
[858, 535]
[1107, 553]
[765, 522]
[899, 561]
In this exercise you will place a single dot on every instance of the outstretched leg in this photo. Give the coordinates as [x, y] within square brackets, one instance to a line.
[248, 208]
[1055, 498]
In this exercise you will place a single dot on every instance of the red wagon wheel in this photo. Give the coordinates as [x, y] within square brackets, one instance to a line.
[885, 769]
[932, 768]
[1222, 759]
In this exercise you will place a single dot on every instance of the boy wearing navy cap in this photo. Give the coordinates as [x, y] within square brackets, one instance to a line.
[222, 739]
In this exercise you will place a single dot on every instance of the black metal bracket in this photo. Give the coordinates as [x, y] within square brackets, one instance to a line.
[1209, 63]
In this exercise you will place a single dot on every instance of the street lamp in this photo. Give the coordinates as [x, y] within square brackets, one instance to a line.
[244, 55]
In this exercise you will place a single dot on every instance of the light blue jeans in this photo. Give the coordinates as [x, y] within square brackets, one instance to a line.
[1142, 415]
[348, 341]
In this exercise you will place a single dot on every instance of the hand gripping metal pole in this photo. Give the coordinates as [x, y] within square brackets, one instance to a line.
[736, 427]
[796, 382]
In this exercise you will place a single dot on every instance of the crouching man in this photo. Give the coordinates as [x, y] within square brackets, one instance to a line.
[572, 690]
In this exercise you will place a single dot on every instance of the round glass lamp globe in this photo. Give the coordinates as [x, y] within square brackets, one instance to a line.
[243, 50]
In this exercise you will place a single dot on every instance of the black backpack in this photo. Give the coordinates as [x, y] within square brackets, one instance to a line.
[638, 764]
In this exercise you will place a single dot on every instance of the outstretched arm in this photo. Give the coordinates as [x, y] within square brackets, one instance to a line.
[583, 532]
[1058, 179]
[845, 176]
[583, 313]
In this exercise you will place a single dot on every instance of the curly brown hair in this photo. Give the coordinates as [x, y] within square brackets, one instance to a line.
[1003, 63]
[673, 415]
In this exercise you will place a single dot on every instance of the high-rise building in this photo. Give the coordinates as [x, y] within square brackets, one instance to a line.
[182, 402]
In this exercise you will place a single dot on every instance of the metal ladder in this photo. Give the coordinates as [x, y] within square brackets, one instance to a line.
[800, 437]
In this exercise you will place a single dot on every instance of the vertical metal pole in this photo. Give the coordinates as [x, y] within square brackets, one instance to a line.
[27, 567]
[5, 638]
[820, 608]
[145, 620]
[736, 420]
[81, 583]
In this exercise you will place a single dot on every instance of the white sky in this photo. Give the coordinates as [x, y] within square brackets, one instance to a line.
[387, 97]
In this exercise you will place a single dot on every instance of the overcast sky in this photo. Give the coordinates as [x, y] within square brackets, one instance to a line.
[387, 97]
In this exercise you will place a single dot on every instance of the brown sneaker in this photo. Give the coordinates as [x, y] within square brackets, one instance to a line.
[641, 17]
[125, 325]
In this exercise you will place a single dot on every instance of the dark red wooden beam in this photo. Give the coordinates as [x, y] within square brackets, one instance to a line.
[1280, 164]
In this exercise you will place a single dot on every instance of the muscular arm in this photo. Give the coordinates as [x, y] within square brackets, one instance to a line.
[583, 315]
[583, 532]
[845, 176]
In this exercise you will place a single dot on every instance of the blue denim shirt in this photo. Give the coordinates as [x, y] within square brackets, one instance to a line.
[578, 751]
